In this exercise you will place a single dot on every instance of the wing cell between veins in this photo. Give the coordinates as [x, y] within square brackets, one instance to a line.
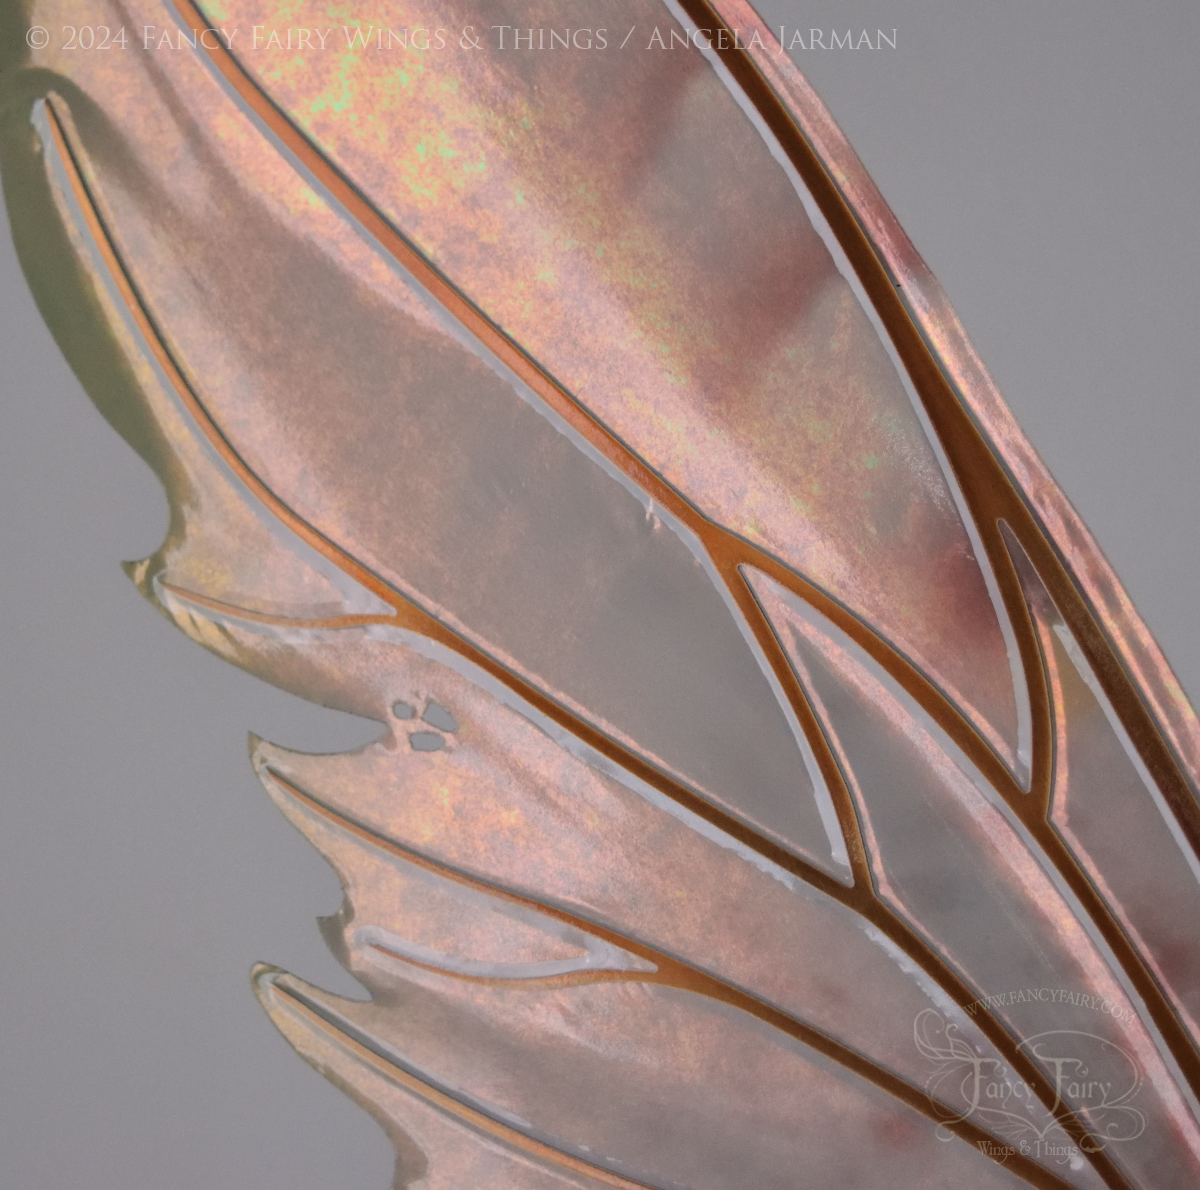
[955, 863]
[347, 395]
[722, 344]
[177, 348]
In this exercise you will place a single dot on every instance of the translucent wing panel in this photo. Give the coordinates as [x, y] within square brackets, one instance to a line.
[621, 218]
[596, 880]
[509, 808]
[946, 855]
[353, 397]
[440, 1144]
[746, 1109]
[1112, 816]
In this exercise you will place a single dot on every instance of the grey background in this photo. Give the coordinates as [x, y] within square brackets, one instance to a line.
[1045, 160]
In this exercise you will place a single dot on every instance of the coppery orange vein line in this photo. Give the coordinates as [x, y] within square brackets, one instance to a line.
[534, 983]
[964, 445]
[763, 79]
[752, 554]
[455, 1107]
[717, 539]
[885, 274]
[1087, 889]
[884, 916]
[410, 616]
[234, 611]
[1034, 813]
[671, 971]
[725, 542]
[1110, 617]
[1023, 1166]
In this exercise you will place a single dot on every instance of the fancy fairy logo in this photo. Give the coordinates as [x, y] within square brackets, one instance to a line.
[1087, 1080]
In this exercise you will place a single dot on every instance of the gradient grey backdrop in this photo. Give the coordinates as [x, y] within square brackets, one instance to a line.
[1045, 159]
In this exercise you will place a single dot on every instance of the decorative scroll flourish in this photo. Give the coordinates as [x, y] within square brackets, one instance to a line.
[986, 1088]
[777, 788]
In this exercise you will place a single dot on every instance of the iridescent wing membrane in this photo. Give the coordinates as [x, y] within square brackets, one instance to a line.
[777, 788]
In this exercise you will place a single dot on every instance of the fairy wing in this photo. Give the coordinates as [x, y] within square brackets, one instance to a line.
[778, 786]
